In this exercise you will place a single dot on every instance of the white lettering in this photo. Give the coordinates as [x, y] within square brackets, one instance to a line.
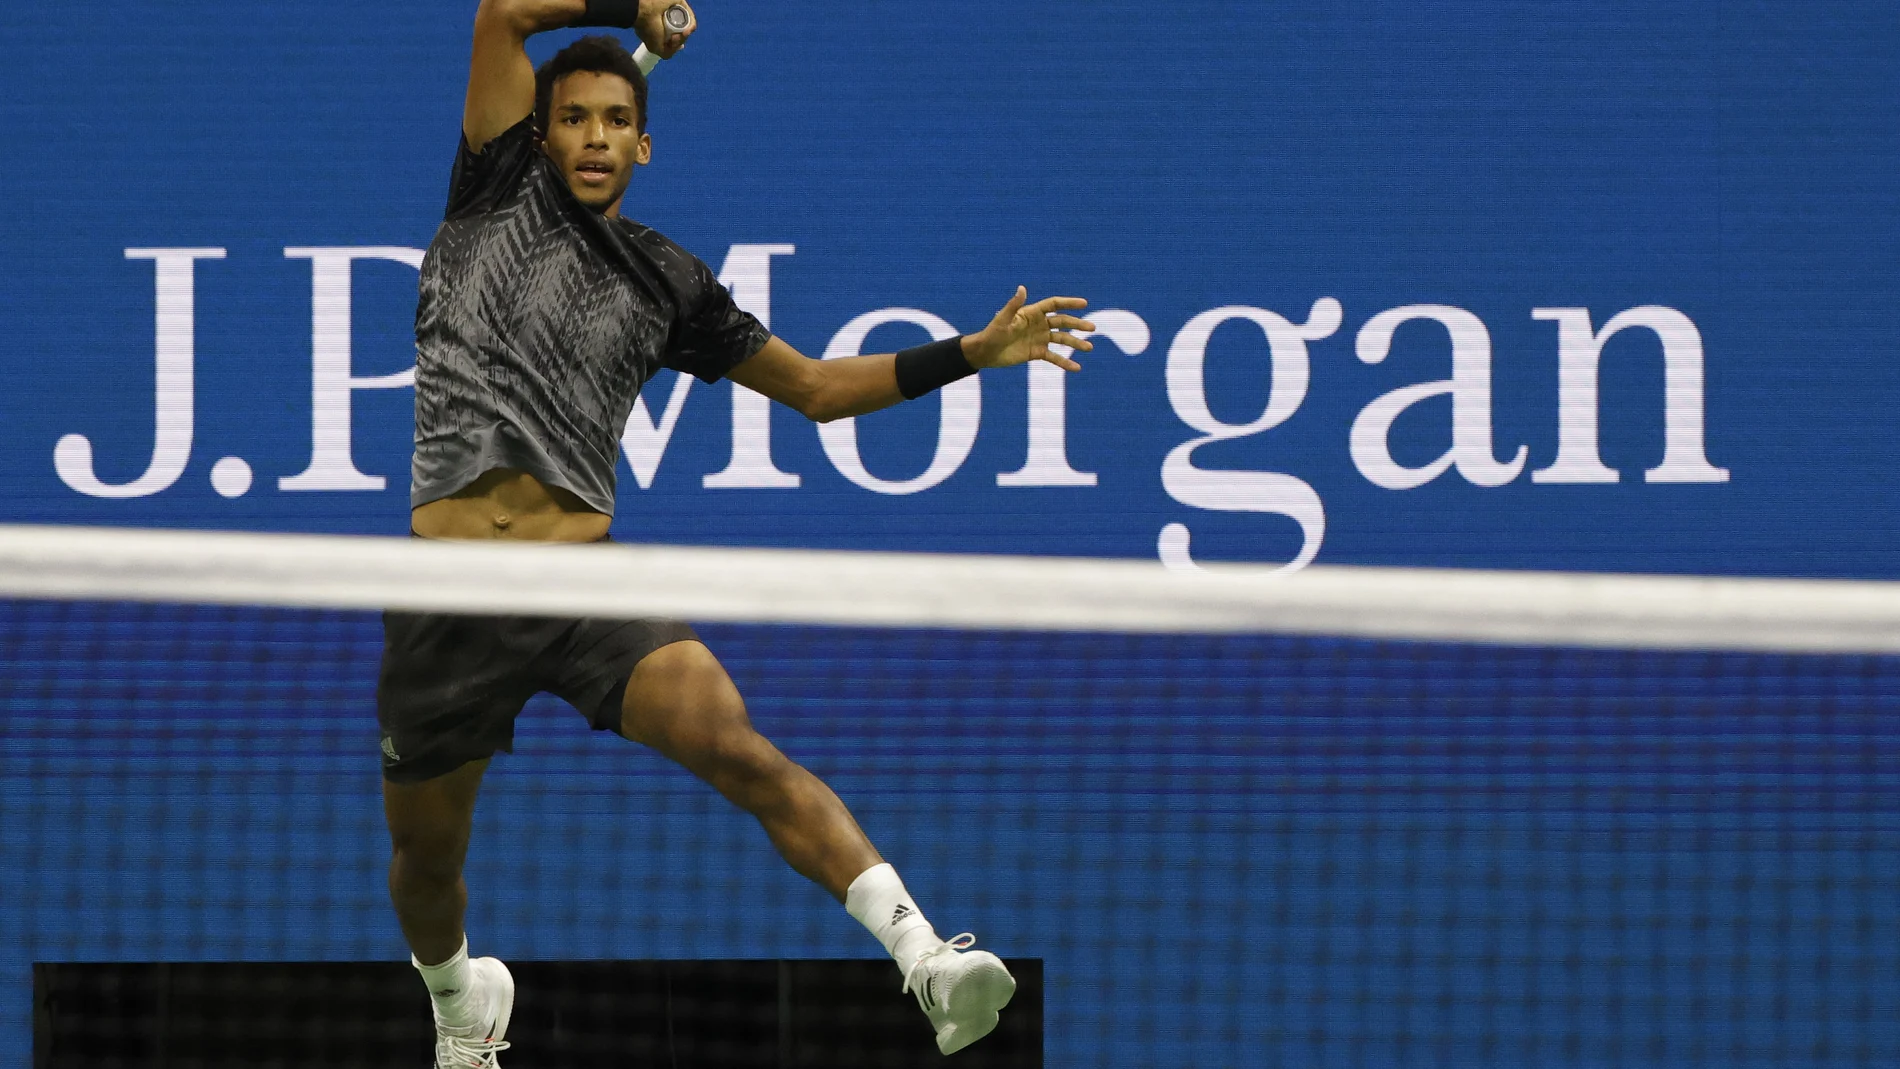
[1242, 491]
[1470, 390]
[748, 273]
[644, 442]
[1580, 350]
[957, 424]
[331, 381]
[1048, 460]
[174, 355]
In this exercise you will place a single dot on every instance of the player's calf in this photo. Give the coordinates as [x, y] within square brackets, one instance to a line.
[428, 833]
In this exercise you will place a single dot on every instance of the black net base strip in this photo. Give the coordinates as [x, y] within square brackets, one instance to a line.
[603, 1014]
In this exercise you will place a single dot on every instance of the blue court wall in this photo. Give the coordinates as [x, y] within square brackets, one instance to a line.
[1470, 195]
[1228, 850]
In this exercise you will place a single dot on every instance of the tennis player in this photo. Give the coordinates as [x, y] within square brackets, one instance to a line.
[543, 310]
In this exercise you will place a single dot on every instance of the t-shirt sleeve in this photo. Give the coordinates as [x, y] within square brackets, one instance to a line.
[715, 335]
[482, 182]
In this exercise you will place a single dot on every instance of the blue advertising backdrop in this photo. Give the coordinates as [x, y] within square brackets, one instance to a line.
[1597, 286]
[1728, 162]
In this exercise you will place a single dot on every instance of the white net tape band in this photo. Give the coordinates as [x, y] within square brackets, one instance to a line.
[917, 590]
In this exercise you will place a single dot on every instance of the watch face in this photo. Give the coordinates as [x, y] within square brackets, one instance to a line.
[677, 18]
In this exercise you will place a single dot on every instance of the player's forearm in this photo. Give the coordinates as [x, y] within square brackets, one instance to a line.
[861, 384]
[824, 390]
[854, 386]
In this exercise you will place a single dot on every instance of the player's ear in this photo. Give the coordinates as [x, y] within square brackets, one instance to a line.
[643, 150]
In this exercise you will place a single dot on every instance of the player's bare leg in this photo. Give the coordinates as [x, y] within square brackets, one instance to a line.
[429, 826]
[428, 832]
[681, 702]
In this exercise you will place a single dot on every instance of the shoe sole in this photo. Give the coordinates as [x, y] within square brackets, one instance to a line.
[983, 992]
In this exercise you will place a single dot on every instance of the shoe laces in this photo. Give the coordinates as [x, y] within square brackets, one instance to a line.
[468, 1051]
[961, 942]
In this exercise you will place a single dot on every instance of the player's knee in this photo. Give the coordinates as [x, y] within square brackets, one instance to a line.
[424, 858]
[744, 756]
[745, 767]
[702, 721]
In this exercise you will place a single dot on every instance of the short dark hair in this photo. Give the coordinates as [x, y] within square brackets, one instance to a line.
[598, 55]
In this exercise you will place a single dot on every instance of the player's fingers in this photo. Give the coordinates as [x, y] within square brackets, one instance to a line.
[1072, 342]
[1058, 304]
[1065, 322]
[1060, 361]
[1015, 304]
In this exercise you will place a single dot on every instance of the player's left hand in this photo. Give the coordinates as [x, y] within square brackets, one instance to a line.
[1022, 332]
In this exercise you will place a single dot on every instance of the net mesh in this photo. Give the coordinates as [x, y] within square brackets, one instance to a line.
[1221, 849]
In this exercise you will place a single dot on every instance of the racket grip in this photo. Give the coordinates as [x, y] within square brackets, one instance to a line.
[645, 59]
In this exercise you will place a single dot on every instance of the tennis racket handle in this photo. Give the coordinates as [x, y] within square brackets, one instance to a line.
[645, 59]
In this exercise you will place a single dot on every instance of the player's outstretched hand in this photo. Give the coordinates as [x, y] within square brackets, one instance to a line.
[662, 38]
[1022, 332]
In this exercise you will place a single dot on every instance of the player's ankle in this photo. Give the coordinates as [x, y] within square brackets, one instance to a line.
[914, 944]
[452, 990]
[878, 900]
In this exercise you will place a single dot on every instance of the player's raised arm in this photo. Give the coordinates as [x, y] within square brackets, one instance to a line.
[500, 75]
[824, 390]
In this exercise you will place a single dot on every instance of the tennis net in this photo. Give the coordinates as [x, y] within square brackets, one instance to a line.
[1353, 817]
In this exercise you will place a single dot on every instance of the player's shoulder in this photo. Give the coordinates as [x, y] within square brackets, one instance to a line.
[489, 177]
[646, 235]
[664, 250]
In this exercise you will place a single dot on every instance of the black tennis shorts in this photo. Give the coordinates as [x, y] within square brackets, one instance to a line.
[451, 686]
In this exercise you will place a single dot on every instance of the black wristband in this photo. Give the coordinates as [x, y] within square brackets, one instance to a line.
[931, 367]
[618, 13]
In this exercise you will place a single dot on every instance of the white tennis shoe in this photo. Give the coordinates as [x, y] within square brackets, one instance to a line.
[476, 1048]
[960, 992]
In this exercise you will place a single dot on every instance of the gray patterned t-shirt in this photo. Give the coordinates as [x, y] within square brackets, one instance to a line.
[540, 319]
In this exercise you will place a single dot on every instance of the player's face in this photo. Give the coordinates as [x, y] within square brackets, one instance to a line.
[593, 138]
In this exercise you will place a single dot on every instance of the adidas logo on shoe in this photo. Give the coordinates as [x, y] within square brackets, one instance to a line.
[903, 910]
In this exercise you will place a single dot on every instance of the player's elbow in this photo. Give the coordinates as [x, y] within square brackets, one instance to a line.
[818, 392]
[524, 18]
[823, 408]
[504, 16]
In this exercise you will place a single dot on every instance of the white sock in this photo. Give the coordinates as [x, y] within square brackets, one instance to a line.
[879, 902]
[451, 987]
